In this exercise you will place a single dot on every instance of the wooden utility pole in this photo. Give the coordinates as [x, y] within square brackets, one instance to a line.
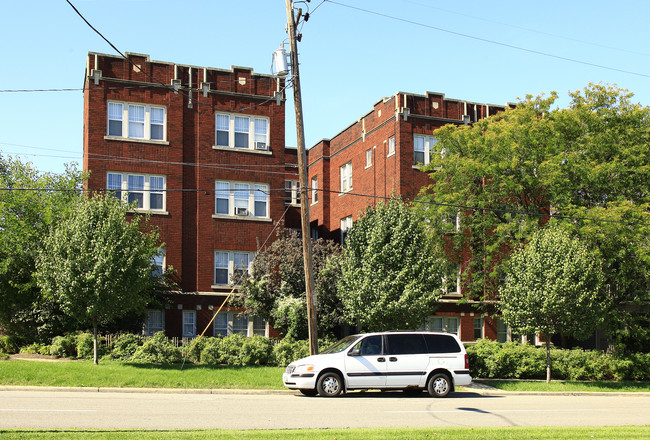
[302, 174]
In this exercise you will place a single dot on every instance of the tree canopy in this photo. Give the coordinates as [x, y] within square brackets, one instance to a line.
[391, 275]
[98, 264]
[275, 290]
[587, 165]
[553, 284]
[31, 205]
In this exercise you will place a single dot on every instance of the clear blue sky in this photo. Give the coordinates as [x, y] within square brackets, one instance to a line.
[349, 58]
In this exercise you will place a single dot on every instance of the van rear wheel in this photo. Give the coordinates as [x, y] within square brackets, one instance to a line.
[439, 385]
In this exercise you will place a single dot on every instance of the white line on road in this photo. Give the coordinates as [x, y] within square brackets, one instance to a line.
[483, 411]
[45, 410]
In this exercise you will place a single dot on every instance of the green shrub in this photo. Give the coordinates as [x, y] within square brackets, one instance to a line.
[211, 352]
[84, 345]
[230, 349]
[64, 346]
[9, 344]
[158, 350]
[257, 350]
[196, 347]
[34, 348]
[125, 346]
[289, 350]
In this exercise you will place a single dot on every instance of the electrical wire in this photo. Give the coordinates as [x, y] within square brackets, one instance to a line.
[485, 40]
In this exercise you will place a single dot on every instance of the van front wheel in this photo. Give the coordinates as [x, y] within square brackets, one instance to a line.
[439, 385]
[329, 385]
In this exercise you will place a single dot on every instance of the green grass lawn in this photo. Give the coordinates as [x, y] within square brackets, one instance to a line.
[118, 374]
[560, 385]
[510, 433]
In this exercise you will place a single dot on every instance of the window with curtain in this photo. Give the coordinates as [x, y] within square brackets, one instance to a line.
[241, 132]
[147, 191]
[136, 121]
[241, 200]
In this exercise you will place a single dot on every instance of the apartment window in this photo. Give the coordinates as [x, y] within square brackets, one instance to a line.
[147, 192]
[228, 323]
[241, 199]
[423, 149]
[451, 280]
[189, 323]
[233, 130]
[137, 121]
[502, 331]
[314, 190]
[369, 158]
[346, 177]
[346, 224]
[159, 262]
[391, 146]
[292, 192]
[442, 324]
[154, 322]
[478, 328]
[229, 266]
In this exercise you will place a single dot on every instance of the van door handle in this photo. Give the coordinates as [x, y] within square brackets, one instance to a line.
[381, 359]
[392, 359]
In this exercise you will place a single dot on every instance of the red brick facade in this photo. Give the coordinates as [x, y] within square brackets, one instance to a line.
[379, 172]
[181, 151]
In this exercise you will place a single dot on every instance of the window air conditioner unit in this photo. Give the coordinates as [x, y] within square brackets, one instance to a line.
[241, 211]
[260, 146]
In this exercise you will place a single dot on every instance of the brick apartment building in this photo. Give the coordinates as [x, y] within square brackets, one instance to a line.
[202, 150]
[380, 155]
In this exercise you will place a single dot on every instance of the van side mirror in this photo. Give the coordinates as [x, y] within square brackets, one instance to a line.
[354, 352]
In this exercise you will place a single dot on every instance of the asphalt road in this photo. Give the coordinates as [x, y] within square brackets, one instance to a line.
[49, 409]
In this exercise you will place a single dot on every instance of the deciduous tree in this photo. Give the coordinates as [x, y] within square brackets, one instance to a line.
[553, 284]
[97, 264]
[390, 274]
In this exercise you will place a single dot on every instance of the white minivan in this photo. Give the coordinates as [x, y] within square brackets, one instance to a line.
[411, 361]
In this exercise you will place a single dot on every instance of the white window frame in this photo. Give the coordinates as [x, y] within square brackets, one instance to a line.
[453, 279]
[503, 332]
[443, 324]
[239, 206]
[346, 224]
[232, 256]
[257, 129]
[252, 325]
[189, 322]
[368, 157]
[160, 260]
[127, 119]
[391, 146]
[292, 192]
[150, 329]
[346, 177]
[314, 190]
[147, 190]
[427, 149]
[480, 320]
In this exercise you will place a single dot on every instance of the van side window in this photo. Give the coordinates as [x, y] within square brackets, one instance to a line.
[406, 344]
[442, 344]
[370, 346]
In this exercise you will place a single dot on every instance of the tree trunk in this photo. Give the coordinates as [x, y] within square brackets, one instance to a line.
[95, 361]
[548, 359]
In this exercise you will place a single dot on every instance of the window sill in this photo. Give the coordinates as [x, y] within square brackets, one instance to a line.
[221, 286]
[139, 141]
[345, 192]
[241, 217]
[149, 211]
[367, 166]
[390, 154]
[294, 205]
[243, 150]
[313, 203]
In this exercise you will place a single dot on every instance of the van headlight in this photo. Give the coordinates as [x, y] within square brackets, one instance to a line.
[304, 368]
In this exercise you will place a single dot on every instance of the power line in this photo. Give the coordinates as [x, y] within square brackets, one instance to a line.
[485, 40]
[414, 201]
[168, 87]
[549, 34]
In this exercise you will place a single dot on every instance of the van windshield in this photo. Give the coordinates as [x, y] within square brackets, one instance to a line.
[341, 345]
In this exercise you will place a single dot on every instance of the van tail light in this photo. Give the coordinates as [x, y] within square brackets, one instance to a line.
[466, 361]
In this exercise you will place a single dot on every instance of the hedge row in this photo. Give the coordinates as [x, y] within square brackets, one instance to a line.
[229, 350]
[512, 360]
